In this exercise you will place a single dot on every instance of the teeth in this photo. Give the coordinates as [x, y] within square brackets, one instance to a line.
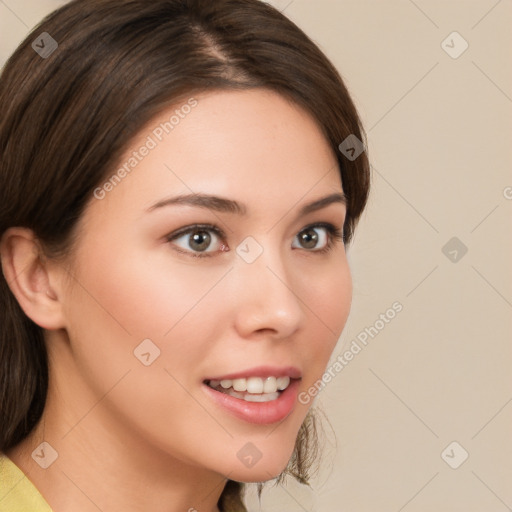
[254, 385]
[248, 397]
[226, 383]
[261, 398]
[240, 384]
[283, 382]
[270, 385]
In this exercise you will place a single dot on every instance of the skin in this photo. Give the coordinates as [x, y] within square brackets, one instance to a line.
[134, 437]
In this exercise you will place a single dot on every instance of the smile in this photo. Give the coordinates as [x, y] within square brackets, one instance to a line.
[253, 389]
[262, 395]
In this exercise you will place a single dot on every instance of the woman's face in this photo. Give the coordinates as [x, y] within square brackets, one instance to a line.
[158, 307]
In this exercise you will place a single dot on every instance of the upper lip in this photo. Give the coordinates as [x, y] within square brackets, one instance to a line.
[261, 371]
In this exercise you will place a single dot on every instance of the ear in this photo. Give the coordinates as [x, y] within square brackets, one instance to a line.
[31, 278]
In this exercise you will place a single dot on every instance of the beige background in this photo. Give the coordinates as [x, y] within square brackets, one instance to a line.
[440, 133]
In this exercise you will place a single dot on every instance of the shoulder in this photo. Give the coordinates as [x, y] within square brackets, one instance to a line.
[17, 493]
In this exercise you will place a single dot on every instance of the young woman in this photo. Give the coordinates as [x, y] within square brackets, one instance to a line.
[174, 216]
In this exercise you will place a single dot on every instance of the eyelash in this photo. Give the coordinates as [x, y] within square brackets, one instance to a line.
[334, 234]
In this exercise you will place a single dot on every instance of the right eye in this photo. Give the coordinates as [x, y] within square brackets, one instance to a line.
[198, 240]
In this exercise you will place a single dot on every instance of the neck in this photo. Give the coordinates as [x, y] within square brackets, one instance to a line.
[103, 467]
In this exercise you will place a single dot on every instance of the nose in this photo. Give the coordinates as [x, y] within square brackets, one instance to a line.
[266, 302]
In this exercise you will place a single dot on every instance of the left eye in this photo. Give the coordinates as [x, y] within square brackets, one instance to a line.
[313, 237]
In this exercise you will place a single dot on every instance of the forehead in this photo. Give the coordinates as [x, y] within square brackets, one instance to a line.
[255, 146]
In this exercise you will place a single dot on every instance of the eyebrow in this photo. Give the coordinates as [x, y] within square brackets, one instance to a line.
[223, 205]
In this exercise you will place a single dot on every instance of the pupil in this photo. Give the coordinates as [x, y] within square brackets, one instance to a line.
[200, 241]
[309, 238]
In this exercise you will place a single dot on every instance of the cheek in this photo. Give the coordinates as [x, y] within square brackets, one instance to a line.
[328, 302]
[111, 311]
[329, 297]
[142, 294]
[135, 298]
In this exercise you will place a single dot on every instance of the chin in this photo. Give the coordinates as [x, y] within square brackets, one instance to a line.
[263, 470]
[252, 476]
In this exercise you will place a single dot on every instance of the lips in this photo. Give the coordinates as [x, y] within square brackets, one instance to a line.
[261, 395]
[259, 409]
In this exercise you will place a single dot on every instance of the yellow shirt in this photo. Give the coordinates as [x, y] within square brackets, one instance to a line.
[17, 492]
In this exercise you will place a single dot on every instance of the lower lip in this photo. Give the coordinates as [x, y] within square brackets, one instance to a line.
[262, 413]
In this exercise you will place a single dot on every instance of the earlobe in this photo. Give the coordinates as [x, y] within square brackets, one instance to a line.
[30, 277]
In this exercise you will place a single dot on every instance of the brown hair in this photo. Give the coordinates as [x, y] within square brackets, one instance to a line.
[69, 114]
